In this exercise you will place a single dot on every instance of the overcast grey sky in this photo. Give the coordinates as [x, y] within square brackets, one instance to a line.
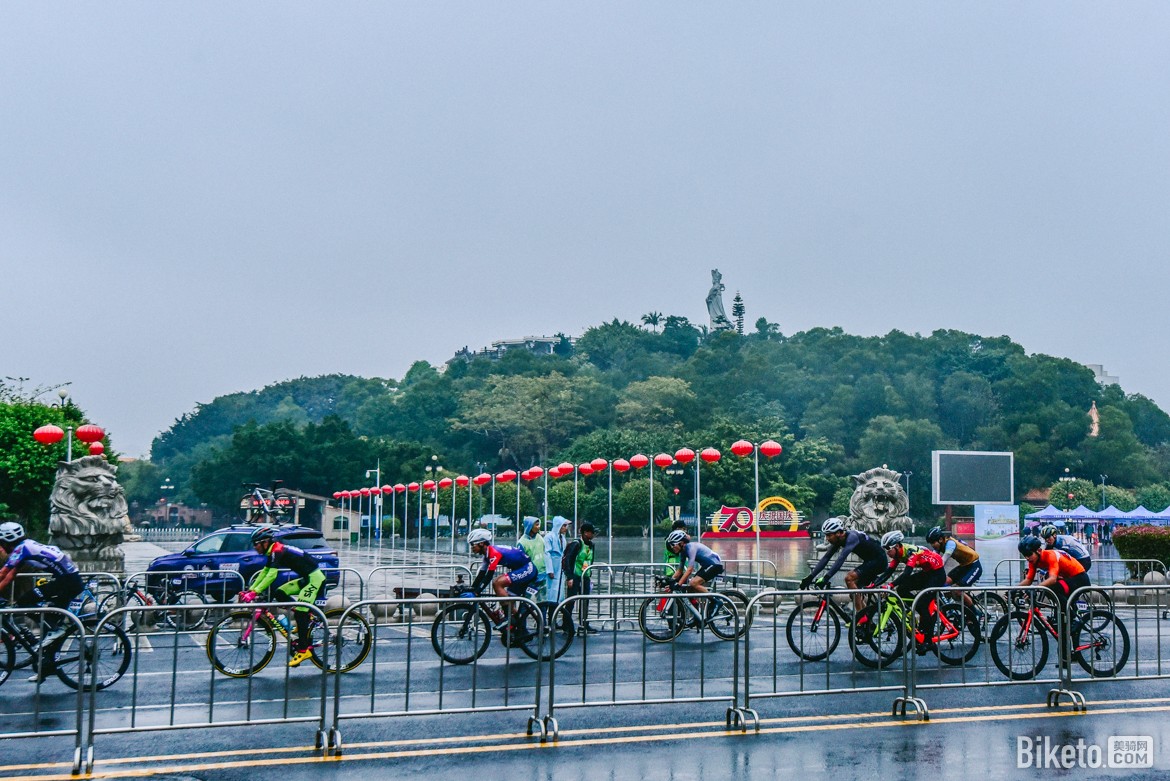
[197, 199]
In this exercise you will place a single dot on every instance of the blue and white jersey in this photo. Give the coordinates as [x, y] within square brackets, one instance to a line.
[1071, 546]
[45, 558]
[698, 552]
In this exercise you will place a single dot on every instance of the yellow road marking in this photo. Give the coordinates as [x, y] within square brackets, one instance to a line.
[849, 721]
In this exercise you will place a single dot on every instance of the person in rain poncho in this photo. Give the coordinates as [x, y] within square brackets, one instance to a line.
[532, 541]
[554, 549]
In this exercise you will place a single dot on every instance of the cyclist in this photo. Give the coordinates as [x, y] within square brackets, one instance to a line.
[1068, 544]
[512, 583]
[969, 568]
[860, 544]
[924, 569]
[1064, 574]
[690, 554]
[59, 591]
[303, 588]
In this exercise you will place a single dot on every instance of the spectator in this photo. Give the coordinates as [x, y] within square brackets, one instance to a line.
[554, 550]
[575, 570]
[532, 541]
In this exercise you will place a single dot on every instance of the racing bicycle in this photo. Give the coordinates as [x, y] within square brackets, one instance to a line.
[77, 658]
[461, 631]
[1019, 641]
[244, 642]
[880, 640]
[663, 618]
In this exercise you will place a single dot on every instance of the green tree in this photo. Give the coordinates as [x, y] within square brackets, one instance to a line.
[659, 403]
[738, 310]
[28, 468]
[652, 319]
[1154, 497]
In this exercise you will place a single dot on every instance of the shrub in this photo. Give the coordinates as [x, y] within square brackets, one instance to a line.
[1142, 542]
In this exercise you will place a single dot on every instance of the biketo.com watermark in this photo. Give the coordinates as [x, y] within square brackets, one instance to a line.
[1119, 751]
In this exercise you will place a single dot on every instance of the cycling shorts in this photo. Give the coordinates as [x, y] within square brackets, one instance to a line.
[518, 579]
[1064, 587]
[868, 571]
[58, 592]
[303, 589]
[1086, 562]
[967, 574]
[709, 572]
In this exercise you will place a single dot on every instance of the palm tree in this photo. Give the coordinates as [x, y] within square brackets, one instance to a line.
[652, 319]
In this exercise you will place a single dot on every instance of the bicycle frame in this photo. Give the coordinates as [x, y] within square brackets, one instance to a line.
[1036, 614]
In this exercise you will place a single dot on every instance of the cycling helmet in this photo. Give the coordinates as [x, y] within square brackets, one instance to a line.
[1048, 531]
[832, 526]
[1029, 545]
[935, 534]
[890, 539]
[676, 537]
[11, 532]
[476, 536]
[263, 534]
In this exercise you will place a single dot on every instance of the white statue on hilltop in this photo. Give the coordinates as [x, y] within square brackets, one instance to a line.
[719, 321]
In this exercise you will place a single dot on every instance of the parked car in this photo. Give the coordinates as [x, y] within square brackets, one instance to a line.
[206, 565]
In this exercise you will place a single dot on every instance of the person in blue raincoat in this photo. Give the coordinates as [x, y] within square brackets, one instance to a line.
[554, 549]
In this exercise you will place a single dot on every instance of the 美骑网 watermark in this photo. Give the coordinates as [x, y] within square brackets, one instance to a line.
[1120, 751]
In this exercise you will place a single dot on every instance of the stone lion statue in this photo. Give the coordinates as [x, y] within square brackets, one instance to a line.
[879, 503]
[88, 514]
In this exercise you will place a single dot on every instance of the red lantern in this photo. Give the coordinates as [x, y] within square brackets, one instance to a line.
[48, 435]
[337, 494]
[482, 479]
[463, 481]
[585, 469]
[710, 455]
[566, 467]
[638, 461]
[400, 488]
[598, 464]
[96, 448]
[663, 460]
[771, 449]
[387, 489]
[365, 492]
[445, 482]
[621, 465]
[526, 475]
[742, 448]
[555, 472]
[506, 476]
[428, 485]
[683, 455]
[89, 433]
[536, 472]
[412, 487]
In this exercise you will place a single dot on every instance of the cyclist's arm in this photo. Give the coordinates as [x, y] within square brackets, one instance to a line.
[851, 542]
[949, 550]
[1053, 572]
[825, 560]
[1029, 577]
[7, 575]
[263, 579]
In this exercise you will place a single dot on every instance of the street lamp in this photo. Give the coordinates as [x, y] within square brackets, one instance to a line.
[167, 487]
[1103, 478]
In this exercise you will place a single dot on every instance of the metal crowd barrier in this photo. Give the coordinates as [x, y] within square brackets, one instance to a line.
[807, 648]
[204, 591]
[21, 720]
[413, 580]
[666, 672]
[1102, 571]
[1128, 648]
[996, 649]
[350, 583]
[405, 675]
[141, 702]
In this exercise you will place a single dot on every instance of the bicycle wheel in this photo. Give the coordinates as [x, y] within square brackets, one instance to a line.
[349, 643]
[461, 633]
[557, 639]
[873, 646]
[661, 626]
[989, 608]
[104, 656]
[7, 657]
[813, 631]
[722, 613]
[238, 646]
[962, 647]
[1019, 654]
[1097, 606]
[1108, 644]
[194, 614]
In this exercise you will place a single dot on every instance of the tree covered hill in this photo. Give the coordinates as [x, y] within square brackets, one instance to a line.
[838, 403]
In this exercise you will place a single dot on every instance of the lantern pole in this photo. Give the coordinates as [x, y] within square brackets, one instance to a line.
[756, 509]
[610, 549]
[454, 489]
[698, 496]
[651, 510]
[493, 507]
[418, 542]
[576, 526]
[517, 505]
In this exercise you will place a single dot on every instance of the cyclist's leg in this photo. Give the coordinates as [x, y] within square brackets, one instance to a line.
[702, 580]
[863, 577]
[967, 575]
[314, 584]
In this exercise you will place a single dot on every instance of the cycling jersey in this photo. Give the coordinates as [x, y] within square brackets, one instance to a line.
[1071, 546]
[1055, 563]
[45, 558]
[694, 552]
[858, 543]
[962, 554]
[512, 558]
[281, 556]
